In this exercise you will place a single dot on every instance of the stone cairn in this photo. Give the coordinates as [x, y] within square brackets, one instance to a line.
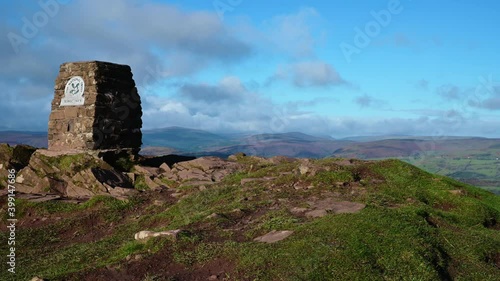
[95, 107]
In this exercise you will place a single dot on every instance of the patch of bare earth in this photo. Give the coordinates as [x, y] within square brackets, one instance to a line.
[445, 206]
[161, 267]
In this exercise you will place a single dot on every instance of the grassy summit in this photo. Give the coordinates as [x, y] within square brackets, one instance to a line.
[415, 226]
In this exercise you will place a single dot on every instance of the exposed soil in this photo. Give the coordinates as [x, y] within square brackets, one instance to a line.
[495, 259]
[445, 206]
[161, 267]
[492, 223]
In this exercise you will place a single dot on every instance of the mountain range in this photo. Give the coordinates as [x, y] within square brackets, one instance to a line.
[473, 160]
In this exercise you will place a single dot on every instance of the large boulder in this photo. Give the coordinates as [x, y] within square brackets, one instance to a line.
[21, 155]
[211, 169]
[5, 157]
[16, 158]
[70, 174]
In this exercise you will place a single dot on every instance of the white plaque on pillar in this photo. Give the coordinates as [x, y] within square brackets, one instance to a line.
[73, 92]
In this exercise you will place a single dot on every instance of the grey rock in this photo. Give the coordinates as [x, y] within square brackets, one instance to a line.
[316, 213]
[274, 236]
[145, 234]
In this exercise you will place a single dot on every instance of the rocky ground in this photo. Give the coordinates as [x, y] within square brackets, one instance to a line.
[114, 216]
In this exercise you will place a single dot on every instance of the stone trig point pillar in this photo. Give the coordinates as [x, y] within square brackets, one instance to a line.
[95, 107]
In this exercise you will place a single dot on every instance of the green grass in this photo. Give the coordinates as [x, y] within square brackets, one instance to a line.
[476, 167]
[273, 220]
[78, 256]
[494, 189]
[60, 207]
[199, 205]
[140, 183]
[348, 247]
[329, 178]
[68, 162]
[124, 164]
[45, 208]
[38, 251]
[413, 228]
[202, 252]
[352, 247]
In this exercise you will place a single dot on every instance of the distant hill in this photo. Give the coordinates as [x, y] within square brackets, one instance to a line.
[36, 139]
[288, 137]
[286, 144]
[407, 147]
[199, 142]
[405, 137]
[192, 141]
[182, 139]
[469, 159]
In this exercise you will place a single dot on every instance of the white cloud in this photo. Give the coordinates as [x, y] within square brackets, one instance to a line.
[369, 101]
[229, 89]
[308, 74]
[450, 92]
[422, 84]
[212, 107]
[173, 107]
[157, 40]
[293, 34]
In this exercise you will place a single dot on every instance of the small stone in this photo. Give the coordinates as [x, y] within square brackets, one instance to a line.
[151, 183]
[142, 171]
[346, 207]
[158, 202]
[131, 176]
[236, 156]
[274, 236]
[303, 169]
[176, 194]
[316, 213]
[158, 181]
[145, 234]
[19, 179]
[456, 192]
[165, 168]
[213, 277]
[297, 210]
[48, 197]
[119, 192]
[213, 216]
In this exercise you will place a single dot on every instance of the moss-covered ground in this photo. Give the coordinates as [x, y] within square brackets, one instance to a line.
[416, 226]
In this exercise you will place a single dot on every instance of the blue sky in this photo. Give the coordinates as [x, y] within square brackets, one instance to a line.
[338, 68]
